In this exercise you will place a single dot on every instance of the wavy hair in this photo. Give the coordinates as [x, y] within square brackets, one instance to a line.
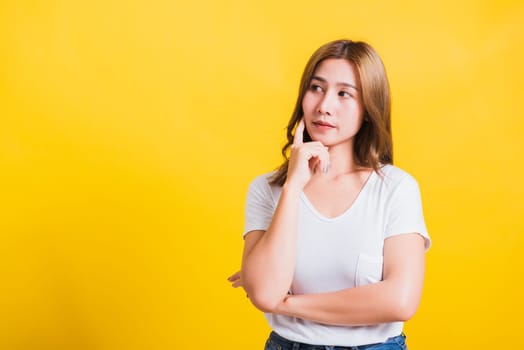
[373, 145]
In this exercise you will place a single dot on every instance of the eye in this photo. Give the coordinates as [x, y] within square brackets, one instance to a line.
[344, 94]
[315, 87]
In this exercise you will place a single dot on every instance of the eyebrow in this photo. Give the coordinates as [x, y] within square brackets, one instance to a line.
[340, 83]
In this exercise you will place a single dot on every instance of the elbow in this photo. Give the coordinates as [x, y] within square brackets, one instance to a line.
[404, 299]
[404, 308]
[404, 313]
[265, 302]
[264, 299]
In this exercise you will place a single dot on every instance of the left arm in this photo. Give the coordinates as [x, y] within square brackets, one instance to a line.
[395, 298]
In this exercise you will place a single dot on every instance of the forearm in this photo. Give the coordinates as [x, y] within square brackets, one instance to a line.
[395, 298]
[268, 268]
[366, 305]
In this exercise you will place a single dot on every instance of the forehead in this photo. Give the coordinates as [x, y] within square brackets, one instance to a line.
[337, 70]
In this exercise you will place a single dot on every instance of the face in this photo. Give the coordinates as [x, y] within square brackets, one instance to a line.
[333, 109]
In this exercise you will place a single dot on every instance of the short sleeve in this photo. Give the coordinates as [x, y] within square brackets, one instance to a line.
[405, 211]
[259, 205]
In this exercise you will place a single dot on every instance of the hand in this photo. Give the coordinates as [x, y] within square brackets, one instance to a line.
[305, 158]
[235, 280]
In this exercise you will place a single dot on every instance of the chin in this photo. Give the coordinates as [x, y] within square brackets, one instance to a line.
[326, 141]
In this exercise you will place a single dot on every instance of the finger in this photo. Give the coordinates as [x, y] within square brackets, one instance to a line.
[234, 276]
[237, 284]
[298, 139]
[319, 159]
[315, 164]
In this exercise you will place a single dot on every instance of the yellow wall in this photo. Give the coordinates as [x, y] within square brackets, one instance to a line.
[130, 130]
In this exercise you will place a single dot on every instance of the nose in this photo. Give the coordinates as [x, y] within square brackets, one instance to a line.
[327, 104]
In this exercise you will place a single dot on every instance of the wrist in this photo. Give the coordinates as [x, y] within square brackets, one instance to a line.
[292, 188]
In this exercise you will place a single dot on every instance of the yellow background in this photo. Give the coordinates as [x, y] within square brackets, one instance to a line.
[130, 131]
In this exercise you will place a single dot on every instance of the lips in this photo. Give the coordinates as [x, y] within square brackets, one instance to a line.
[323, 123]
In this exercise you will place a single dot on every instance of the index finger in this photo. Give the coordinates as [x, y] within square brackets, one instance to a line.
[234, 276]
[298, 139]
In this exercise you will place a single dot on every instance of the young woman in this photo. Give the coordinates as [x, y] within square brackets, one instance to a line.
[334, 240]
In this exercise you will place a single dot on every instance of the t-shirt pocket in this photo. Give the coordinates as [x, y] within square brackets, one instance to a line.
[369, 269]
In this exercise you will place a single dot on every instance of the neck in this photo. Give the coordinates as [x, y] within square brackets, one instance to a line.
[342, 160]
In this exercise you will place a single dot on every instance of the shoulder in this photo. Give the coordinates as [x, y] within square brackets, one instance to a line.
[262, 179]
[393, 175]
[261, 186]
[262, 182]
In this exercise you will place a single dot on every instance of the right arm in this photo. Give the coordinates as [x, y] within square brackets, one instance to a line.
[268, 261]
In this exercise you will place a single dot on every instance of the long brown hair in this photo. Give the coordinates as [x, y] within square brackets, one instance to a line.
[373, 145]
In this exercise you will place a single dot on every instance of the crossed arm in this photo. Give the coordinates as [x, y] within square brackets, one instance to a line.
[395, 298]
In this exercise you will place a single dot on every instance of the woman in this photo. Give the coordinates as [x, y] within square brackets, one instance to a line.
[335, 238]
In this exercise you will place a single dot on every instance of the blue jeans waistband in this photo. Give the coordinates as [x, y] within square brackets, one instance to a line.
[277, 342]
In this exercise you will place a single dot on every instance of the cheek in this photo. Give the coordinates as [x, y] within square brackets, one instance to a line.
[356, 109]
[307, 103]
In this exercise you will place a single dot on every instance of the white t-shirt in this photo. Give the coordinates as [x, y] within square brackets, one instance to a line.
[341, 252]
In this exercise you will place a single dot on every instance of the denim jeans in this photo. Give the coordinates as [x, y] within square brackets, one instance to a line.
[276, 342]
